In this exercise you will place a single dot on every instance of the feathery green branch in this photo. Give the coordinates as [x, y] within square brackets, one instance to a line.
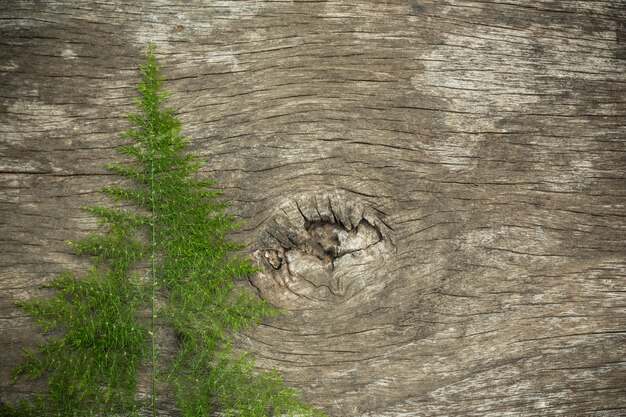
[178, 229]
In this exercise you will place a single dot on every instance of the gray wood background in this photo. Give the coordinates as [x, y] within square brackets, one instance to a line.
[435, 190]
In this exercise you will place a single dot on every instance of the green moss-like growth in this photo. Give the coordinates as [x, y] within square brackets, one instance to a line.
[179, 229]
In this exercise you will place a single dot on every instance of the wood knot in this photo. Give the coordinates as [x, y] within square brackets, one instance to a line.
[313, 246]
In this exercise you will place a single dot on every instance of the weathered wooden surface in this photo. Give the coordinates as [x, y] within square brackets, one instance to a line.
[480, 145]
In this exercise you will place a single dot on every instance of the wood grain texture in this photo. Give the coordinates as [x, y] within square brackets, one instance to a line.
[479, 146]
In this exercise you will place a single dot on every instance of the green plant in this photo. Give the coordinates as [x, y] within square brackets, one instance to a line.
[178, 230]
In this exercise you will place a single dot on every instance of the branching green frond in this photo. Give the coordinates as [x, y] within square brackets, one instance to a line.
[133, 195]
[119, 217]
[118, 248]
[92, 365]
[132, 150]
[177, 229]
[136, 174]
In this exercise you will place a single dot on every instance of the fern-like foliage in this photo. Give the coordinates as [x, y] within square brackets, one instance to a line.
[178, 228]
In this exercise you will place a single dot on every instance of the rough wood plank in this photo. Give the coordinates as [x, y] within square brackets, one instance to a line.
[482, 143]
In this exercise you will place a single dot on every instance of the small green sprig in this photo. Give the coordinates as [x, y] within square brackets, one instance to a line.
[178, 228]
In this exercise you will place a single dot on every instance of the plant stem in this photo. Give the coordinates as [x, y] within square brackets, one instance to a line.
[154, 286]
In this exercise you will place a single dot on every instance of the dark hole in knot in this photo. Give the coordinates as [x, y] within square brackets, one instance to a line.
[329, 241]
